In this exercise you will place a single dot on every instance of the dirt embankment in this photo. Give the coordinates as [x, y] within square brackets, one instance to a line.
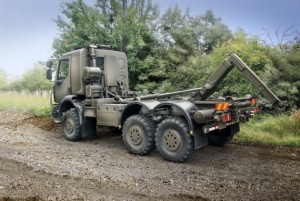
[37, 163]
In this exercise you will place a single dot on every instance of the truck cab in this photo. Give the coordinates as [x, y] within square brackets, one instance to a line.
[112, 69]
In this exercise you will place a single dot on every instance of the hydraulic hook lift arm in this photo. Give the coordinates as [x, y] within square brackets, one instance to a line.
[228, 64]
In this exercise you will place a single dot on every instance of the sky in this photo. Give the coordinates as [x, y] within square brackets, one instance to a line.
[27, 29]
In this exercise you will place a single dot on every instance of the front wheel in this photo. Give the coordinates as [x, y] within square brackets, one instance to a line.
[71, 125]
[173, 141]
[138, 134]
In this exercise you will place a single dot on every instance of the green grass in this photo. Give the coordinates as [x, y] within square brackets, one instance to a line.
[274, 130]
[37, 104]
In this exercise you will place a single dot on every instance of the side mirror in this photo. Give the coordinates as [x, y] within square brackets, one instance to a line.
[49, 64]
[49, 73]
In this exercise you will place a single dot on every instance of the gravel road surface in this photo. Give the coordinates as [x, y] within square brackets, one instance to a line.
[37, 163]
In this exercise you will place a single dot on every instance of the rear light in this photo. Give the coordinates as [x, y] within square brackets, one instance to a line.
[222, 106]
[253, 101]
[256, 110]
[226, 117]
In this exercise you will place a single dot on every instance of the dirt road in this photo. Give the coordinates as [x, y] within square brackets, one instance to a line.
[37, 163]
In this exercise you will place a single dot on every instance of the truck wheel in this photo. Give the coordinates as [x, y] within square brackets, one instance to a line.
[173, 140]
[139, 134]
[71, 125]
[224, 136]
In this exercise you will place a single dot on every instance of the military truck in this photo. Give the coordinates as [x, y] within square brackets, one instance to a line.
[91, 88]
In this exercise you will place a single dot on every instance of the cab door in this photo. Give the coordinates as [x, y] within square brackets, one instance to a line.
[62, 84]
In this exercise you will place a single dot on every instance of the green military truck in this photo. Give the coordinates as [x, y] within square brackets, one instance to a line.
[91, 89]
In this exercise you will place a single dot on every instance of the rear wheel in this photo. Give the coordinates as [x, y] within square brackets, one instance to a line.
[224, 136]
[71, 125]
[139, 134]
[173, 141]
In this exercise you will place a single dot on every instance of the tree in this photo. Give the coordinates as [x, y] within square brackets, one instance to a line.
[115, 14]
[209, 31]
[186, 40]
[79, 26]
[191, 74]
[252, 51]
[283, 74]
[284, 40]
[125, 25]
[33, 80]
[192, 34]
[140, 46]
[175, 36]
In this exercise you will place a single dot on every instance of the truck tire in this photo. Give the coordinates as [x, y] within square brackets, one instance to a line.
[224, 136]
[139, 134]
[173, 141]
[71, 125]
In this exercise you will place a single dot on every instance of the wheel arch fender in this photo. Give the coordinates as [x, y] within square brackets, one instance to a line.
[185, 108]
[69, 102]
[135, 107]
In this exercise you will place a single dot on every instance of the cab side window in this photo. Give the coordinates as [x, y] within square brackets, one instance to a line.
[63, 70]
[100, 62]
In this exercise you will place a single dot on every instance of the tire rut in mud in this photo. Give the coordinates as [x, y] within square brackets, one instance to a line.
[44, 123]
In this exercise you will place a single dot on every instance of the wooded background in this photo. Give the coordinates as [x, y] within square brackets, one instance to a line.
[172, 50]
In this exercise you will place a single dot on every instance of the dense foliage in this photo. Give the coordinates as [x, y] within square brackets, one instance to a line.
[172, 50]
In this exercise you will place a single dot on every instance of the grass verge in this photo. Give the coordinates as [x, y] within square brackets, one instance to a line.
[278, 130]
[33, 103]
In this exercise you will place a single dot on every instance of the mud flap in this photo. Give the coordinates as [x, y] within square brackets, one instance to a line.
[56, 114]
[88, 127]
[200, 139]
[235, 128]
